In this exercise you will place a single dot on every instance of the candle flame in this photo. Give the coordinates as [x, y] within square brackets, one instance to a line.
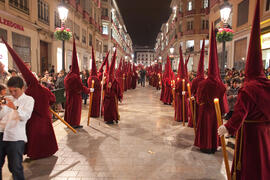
[216, 100]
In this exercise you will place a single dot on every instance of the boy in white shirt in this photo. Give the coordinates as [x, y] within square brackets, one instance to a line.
[14, 114]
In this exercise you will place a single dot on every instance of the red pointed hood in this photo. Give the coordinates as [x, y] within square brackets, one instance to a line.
[186, 68]
[200, 71]
[104, 62]
[94, 67]
[213, 69]
[107, 67]
[120, 65]
[181, 70]
[112, 67]
[254, 64]
[26, 73]
[74, 66]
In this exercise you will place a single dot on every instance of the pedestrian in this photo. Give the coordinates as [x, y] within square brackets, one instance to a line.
[14, 114]
[85, 76]
[251, 117]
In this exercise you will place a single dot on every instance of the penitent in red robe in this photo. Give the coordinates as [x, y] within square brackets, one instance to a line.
[112, 95]
[74, 88]
[206, 133]
[167, 96]
[253, 114]
[96, 96]
[39, 130]
[179, 103]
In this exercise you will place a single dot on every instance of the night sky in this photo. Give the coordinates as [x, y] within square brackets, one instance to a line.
[144, 18]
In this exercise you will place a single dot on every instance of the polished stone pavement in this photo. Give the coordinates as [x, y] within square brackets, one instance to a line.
[147, 144]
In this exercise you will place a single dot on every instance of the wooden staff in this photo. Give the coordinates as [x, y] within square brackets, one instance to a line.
[101, 96]
[225, 155]
[191, 107]
[173, 92]
[116, 103]
[183, 101]
[62, 120]
[90, 104]
[123, 82]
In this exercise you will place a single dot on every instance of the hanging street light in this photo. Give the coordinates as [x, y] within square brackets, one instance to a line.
[63, 14]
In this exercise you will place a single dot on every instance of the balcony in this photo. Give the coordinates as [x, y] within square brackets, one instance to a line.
[205, 10]
[204, 31]
[86, 15]
[213, 3]
[105, 18]
[189, 32]
[79, 9]
[20, 5]
[192, 12]
[72, 3]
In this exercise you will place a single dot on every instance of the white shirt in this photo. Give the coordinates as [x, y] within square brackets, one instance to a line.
[13, 122]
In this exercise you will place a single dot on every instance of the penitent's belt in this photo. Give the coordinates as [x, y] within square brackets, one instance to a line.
[238, 165]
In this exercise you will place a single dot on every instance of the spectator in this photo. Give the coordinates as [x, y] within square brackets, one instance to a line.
[60, 80]
[84, 77]
[52, 71]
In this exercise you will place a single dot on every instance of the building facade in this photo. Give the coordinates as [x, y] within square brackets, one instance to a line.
[240, 20]
[144, 55]
[29, 27]
[187, 25]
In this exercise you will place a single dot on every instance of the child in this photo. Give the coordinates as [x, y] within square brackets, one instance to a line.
[14, 115]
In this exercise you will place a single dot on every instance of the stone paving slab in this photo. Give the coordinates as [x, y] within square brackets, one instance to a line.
[147, 144]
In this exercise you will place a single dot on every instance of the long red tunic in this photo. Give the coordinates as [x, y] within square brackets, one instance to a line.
[112, 95]
[167, 98]
[39, 130]
[252, 105]
[206, 133]
[179, 103]
[95, 111]
[134, 81]
[74, 88]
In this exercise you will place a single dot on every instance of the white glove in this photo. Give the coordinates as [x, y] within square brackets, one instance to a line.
[183, 93]
[92, 90]
[222, 130]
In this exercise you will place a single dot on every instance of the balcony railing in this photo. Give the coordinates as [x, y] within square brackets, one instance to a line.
[72, 3]
[189, 32]
[213, 2]
[204, 31]
[20, 5]
[205, 10]
[86, 15]
[188, 13]
[79, 9]
[105, 18]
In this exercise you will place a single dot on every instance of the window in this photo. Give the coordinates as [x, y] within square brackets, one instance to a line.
[205, 4]
[105, 48]
[57, 21]
[189, 25]
[190, 46]
[242, 17]
[21, 5]
[43, 11]
[189, 5]
[104, 12]
[180, 28]
[267, 5]
[90, 40]
[205, 24]
[77, 31]
[105, 29]
[181, 7]
[84, 36]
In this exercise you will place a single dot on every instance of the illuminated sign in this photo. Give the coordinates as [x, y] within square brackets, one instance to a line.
[265, 41]
[11, 24]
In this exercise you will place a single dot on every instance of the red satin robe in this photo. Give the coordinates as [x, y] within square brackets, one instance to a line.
[95, 108]
[252, 105]
[74, 88]
[179, 104]
[206, 133]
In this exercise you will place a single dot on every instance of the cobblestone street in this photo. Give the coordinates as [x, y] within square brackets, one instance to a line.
[147, 144]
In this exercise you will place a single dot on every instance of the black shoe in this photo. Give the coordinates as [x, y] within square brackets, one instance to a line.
[208, 151]
[109, 122]
[77, 127]
[116, 121]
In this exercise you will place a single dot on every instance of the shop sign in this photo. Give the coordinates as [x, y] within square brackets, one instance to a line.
[265, 41]
[11, 24]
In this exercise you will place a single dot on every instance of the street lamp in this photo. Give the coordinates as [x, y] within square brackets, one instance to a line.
[225, 11]
[172, 50]
[114, 48]
[63, 14]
